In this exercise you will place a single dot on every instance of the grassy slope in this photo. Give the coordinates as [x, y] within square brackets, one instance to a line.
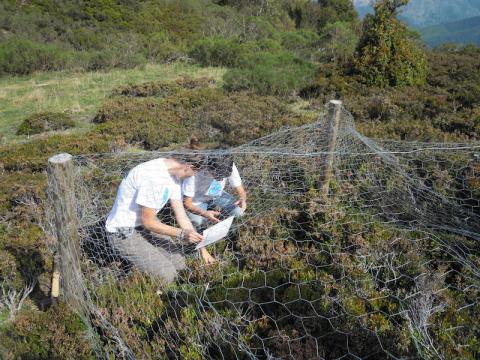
[81, 94]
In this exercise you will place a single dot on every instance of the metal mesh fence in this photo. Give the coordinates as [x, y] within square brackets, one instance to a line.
[385, 266]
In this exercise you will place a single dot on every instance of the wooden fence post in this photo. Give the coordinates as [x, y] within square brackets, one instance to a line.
[67, 258]
[326, 163]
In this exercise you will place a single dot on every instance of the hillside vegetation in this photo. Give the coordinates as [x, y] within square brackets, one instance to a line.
[147, 75]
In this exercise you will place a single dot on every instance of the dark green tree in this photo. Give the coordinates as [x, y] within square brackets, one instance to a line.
[317, 14]
[387, 54]
[336, 10]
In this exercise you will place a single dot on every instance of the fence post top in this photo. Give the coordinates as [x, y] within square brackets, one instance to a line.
[336, 102]
[60, 158]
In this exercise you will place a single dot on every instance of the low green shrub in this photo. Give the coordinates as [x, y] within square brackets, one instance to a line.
[125, 53]
[299, 41]
[98, 60]
[280, 74]
[22, 56]
[86, 39]
[338, 41]
[260, 28]
[160, 48]
[217, 51]
[47, 121]
[109, 59]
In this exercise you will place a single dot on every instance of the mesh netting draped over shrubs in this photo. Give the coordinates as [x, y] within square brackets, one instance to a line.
[383, 265]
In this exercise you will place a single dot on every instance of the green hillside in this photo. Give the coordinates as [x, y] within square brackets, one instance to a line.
[465, 31]
[104, 34]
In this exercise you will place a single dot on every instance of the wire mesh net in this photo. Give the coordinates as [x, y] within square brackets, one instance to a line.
[383, 265]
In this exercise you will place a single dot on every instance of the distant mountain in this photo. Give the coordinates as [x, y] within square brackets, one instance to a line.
[460, 32]
[423, 13]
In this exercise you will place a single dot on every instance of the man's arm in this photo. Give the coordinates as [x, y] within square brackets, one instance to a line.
[151, 222]
[209, 214]
[180, 214]
[242, 198]
[186, 224]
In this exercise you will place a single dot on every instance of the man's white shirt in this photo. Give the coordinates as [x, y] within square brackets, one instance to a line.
[203, 187]
[149, 185]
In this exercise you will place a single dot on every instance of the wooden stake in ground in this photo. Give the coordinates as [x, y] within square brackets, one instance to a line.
[67, 263]
[326, 165]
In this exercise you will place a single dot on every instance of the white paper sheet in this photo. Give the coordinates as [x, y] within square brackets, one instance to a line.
[215, 232]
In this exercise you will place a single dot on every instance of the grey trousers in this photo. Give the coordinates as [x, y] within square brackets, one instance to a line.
[151, 253]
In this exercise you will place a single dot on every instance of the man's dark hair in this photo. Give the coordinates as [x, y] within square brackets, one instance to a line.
[196, 160]
[220, 166]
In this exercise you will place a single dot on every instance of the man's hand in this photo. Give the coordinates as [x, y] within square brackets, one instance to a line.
[191, 236]
[212, 215]
[242, 203]
[207, 258]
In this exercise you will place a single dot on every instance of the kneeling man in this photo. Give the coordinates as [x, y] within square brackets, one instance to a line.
[204, 192]
[134, 229]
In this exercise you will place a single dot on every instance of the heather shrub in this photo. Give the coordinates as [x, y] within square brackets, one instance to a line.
[42, 122]
[188, 82]
[33, 156]
[27, 337]
[215, 117]
[380, 108]
[468, 95]
[161, 88]
[152, 123]
[9, 276]
[241, 117]
[151, 88]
